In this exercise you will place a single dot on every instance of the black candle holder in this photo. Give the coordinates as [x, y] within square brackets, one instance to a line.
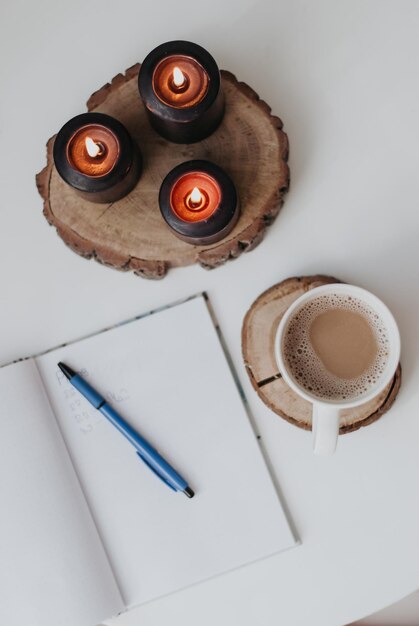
[222, 220]
[125, 170]
[182, 123]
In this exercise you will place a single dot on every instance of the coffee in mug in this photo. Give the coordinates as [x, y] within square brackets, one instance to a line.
[337, 346]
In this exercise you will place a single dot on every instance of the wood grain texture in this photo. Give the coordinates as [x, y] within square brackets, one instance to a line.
[258, 334]
[130, 234]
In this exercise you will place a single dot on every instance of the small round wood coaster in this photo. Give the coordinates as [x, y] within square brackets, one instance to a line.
[130, 234]
[258, 334]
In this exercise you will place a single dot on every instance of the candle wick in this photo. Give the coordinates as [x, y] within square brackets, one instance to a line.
[178, 77]
[102, 149]
[196, 200]
[94, 148]
[178, 82]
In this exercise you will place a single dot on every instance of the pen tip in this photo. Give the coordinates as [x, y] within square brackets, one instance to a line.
[188, 492]
[67, 371]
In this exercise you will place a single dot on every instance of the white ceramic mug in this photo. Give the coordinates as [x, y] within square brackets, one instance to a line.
[325, 415]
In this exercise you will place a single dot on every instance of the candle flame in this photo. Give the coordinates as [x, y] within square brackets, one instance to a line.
[92, 148]
[196, 196]
[178, 77]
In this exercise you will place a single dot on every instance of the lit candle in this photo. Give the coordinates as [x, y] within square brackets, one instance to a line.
[180, 85]
[95, 154]
[199, 202]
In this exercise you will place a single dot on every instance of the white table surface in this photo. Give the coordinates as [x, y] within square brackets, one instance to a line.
[343, 76]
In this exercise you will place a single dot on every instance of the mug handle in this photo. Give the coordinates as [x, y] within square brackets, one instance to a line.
[325, 418]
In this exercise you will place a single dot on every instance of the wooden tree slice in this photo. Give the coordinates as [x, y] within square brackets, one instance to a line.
[258, 334]
[130, 234]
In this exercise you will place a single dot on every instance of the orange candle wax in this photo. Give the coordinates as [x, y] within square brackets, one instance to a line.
[195, 196]
[180, 81]
[93, 150]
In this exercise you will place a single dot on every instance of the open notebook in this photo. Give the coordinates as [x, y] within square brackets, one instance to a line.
[86, 530]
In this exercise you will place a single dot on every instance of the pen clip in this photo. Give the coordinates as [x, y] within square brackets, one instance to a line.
[155, 471]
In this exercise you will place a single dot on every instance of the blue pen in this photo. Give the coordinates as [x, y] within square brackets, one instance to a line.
[145, 451]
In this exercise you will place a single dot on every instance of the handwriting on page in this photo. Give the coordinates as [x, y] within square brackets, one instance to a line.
[82, 413]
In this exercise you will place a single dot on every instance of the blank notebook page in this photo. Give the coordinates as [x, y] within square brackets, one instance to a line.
[53, 568]
[168, 377]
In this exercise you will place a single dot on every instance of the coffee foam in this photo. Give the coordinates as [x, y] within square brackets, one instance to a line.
[306, 367]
